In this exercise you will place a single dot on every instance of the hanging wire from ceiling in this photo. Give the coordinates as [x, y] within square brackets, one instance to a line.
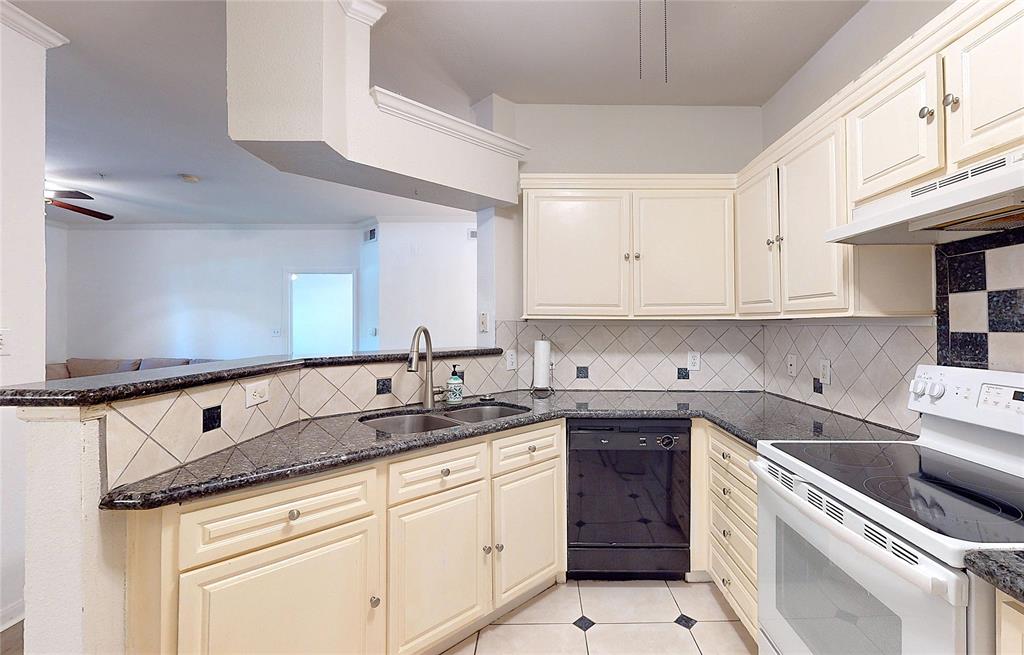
[665, 25]
[640, 39]
[640, 15]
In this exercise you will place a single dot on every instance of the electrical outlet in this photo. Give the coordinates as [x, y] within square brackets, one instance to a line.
[275, 333]
[825, 371]
[510, 360]
[484, 323]
[257, 392]
[5, 342]
[791, 365]
[693, 360]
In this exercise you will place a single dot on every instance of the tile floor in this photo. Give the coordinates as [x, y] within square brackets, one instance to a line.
[616, 618]
[11, 640]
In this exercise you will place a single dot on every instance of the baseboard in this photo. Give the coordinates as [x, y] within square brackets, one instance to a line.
[698, 576]
[12, 614]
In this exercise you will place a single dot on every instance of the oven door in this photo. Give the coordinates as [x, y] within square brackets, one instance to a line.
[824, 588]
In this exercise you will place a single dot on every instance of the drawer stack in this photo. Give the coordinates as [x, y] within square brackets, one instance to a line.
[732, 515]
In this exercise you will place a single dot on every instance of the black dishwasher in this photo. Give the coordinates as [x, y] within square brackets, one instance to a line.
[629, 499]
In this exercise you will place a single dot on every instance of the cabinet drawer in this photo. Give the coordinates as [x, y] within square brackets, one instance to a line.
[415, 478]
[735, 457]
[519, 450]
[741, 595]
[738, 497]
[226, 530]
[737, 539]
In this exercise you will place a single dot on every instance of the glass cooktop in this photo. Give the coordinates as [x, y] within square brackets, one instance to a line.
[952, 496]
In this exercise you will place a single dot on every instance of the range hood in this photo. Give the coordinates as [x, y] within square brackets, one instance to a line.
[971, 202]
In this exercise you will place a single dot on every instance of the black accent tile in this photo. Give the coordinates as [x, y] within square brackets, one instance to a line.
[1006, 310]
[682, 374]
[383, 385]
[461, 374]
[817, 387]
[583, 623]
[941, 274]
[817, 428]
[685, 621]
[211, 418]
[968, 347]
[942, 356]
[582, 406]
[682, 407]
[984, 242]
[582, 372]
[967, 272]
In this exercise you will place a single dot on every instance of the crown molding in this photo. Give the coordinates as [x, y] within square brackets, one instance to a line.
[670, 181]
[393, 104]
[29, 27]
[366, 12]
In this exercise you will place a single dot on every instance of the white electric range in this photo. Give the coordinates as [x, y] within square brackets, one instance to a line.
[861, 544]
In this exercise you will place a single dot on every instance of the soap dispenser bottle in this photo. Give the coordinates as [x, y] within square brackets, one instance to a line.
[455, 386]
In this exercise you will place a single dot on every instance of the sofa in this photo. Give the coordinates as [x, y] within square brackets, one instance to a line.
[78, 367]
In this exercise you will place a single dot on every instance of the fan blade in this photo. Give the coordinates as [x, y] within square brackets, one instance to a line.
[73, 195]
[81, 210]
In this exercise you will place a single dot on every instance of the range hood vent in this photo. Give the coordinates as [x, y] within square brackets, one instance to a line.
[983, 198]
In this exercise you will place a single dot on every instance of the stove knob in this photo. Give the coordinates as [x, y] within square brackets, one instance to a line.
[666, 441]
[918, 387]
[936, 389]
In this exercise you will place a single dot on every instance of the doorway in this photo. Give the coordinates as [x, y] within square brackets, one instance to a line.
[323, 312]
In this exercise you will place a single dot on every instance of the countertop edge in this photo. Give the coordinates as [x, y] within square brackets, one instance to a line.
[1003, 569]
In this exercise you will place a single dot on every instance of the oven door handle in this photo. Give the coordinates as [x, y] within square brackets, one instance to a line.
[923, 580]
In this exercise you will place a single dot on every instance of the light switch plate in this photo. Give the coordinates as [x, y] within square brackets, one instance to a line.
[510, 360]
[825, 371]
[791, 365]
[693, 360]
[256, 393]
[484, 323]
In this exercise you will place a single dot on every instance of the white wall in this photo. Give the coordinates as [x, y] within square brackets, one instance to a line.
[427, 276]
[207, 293]
[637, 139]
[870, 34]
[56, 293]
[22, 282]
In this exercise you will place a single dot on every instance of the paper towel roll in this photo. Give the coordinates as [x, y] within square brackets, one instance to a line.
[541, 364]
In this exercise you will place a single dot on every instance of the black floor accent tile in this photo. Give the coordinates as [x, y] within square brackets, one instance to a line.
[1006, 310]
[967, 272]
[583, 623]
[686, 621]
[968, 347]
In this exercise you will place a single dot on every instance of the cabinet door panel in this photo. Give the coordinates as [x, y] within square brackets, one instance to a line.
[576, 244]
[308, 595]
[757, 253]
[815, 273]
[985, 70]
[439, 578]
[889, 143]
[527, 526]
[685, 243]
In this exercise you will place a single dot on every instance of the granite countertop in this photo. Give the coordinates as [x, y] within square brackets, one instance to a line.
[320, 444]
[1002, 568]
[96, 389]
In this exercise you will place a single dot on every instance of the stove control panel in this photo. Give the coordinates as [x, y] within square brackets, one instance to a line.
[990, 398]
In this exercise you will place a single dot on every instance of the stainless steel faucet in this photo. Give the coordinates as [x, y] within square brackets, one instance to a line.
[429, 390]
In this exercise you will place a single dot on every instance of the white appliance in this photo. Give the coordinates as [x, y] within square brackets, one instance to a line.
[861, 544]
[985, 197]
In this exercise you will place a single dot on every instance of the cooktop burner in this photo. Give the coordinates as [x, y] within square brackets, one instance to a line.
[952, 496]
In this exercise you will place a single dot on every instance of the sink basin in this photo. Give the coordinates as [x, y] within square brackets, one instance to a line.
[409, 423]
[485, 412]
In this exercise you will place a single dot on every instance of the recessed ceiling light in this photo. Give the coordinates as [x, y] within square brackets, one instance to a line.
[186, 177]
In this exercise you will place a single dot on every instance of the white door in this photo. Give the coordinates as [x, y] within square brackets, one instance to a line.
[683, 253]
[985, 73]
[896, 135]
[812, 200]
[439, 577]
[757, 248]
[577, 253]
[313, 594]
[528, 528]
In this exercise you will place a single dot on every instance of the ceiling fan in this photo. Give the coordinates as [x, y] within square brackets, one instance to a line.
[57, 197]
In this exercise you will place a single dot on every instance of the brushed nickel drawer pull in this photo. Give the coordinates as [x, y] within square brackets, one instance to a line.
[294, 514]
[726, 533]
[374, 602]
[445, 472]
[487, 550]
[499, 547]
[925, 112]
[532, 448]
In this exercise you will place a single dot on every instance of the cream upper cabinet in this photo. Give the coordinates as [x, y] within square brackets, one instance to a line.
[577, 253]
[315, 594]
[757, 251]
[815, 274]
[682, 253]
[897, 134]
[528, 526]
[439, 575]
[985, 83]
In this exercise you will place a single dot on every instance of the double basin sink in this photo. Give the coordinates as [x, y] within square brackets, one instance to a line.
[422, 422]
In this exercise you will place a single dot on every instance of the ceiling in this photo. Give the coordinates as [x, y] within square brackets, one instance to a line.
[138, 97]
[587, 51]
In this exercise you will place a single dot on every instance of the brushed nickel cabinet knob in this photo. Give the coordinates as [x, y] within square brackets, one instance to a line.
[925, 112]
[487, 550]
[374, 602]
[445, 472]
[294, 514]
[532, 448]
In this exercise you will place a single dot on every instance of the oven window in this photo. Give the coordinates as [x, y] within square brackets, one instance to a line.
[829, 611]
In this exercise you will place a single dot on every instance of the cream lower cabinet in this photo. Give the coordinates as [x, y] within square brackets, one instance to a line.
[1009, 625]
[315, 594]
